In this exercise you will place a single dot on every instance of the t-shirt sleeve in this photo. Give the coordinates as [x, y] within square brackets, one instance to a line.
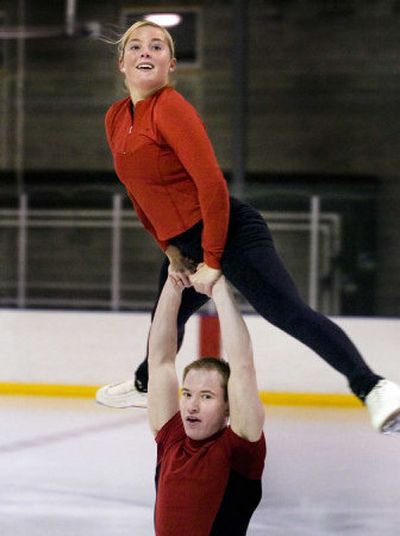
[170, 433]
[183, 130]
[247, 457]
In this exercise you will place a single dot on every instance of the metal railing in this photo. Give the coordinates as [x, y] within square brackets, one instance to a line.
[117, 267]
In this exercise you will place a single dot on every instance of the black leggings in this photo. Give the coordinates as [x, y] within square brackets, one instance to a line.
[251, 264]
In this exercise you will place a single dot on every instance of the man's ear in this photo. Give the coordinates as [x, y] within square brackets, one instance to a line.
[227, 410]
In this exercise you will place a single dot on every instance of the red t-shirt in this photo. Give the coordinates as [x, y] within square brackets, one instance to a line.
[209, 487]
[163, 156]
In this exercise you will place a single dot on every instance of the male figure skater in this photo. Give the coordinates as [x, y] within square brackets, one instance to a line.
[208, 474]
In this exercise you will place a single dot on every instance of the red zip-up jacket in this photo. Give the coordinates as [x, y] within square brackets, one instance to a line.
[163, 156]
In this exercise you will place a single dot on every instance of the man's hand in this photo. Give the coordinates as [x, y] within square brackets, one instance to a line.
[204, 278]
[180, 268]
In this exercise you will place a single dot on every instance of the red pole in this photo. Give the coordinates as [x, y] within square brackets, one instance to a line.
[209, 336]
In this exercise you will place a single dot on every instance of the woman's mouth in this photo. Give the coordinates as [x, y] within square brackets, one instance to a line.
[145, 66]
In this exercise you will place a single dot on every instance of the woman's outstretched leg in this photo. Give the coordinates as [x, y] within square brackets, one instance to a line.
[251, 263]
[269, 289]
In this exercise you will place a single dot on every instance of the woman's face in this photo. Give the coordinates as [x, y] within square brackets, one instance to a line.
[146, 61]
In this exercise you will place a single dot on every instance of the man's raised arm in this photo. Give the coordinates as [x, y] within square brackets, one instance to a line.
[246, 410]
[163, 388]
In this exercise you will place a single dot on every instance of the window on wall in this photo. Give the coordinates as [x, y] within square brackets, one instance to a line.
[183, 25]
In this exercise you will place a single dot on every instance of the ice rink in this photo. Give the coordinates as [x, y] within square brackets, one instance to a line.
[69, 467]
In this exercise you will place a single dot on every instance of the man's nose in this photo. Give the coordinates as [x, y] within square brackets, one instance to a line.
[193, 406]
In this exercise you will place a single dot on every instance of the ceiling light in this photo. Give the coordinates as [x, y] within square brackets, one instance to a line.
[164, 19]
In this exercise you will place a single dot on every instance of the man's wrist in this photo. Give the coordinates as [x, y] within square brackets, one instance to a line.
[172, 291]
[219, 287]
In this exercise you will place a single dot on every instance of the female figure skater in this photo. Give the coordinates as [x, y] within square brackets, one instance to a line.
[163, 156]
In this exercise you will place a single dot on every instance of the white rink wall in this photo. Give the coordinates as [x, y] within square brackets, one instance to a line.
[92, 348]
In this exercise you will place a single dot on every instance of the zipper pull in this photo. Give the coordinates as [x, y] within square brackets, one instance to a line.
[130, 129]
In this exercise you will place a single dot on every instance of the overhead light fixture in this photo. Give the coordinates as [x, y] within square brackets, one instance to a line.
[164, 19]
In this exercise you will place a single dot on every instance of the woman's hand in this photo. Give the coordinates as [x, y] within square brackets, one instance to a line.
[180, 268]
[204, 278]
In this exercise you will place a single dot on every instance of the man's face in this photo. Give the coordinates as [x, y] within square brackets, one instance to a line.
[203, 408]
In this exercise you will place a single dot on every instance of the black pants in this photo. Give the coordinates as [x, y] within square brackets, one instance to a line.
[251, 264]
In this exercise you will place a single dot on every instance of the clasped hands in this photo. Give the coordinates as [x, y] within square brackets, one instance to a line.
[184, 273]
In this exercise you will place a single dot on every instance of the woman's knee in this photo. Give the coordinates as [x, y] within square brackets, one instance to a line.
[290, 315]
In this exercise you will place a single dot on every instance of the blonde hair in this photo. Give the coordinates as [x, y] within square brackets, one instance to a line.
[211, 363]
[122, 41]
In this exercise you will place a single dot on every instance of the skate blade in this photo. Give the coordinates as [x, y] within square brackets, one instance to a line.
[392, 425]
